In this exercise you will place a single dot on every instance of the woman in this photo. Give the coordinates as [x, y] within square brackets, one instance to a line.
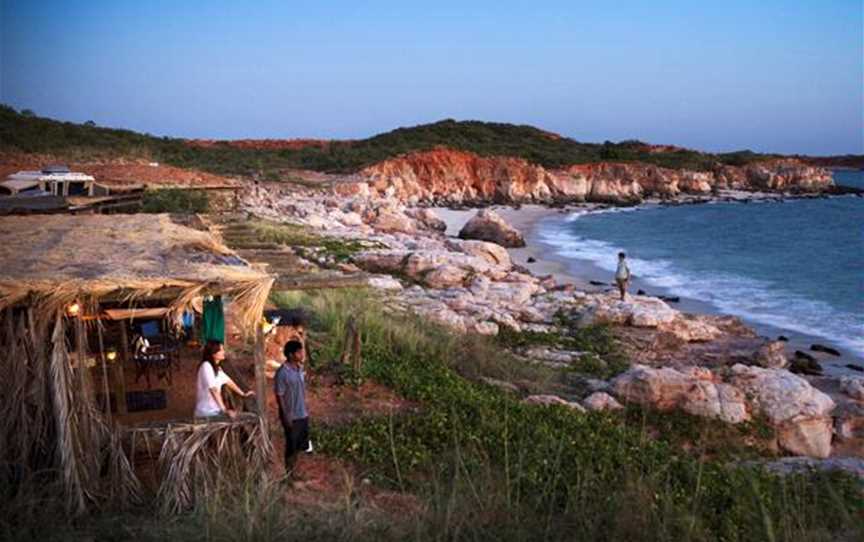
[211, 378]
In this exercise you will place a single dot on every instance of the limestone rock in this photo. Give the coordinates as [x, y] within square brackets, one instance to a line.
[448, 318]
[486, 328]
[552, 400]
[351, 219]
[719, 401]
[493, 253]
[853, 386]
[384, 282]
[694, 390]
[487, 225]
[382, 261]
[427, 219]
[601, 401]
[772, 355]
[445, 276]
[391, 221]
[636, 311]
[690, 328]
[662, 388]
[801, 413]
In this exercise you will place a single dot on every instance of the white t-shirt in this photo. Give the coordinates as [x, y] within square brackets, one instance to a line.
[205, 404]
[623, 272]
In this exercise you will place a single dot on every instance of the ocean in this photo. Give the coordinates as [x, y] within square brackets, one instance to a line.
[796, 265]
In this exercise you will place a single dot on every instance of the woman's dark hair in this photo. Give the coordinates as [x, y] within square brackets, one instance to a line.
[291, 347]
[209, 352]
[622, 255]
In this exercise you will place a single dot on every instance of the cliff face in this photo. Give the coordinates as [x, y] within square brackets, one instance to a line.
[448, 176]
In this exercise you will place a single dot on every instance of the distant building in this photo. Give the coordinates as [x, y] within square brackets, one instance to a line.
[53, 180]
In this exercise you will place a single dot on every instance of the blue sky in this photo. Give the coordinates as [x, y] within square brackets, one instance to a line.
[782, 76]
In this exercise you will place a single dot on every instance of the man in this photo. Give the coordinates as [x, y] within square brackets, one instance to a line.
[622, 275]
[291, 396]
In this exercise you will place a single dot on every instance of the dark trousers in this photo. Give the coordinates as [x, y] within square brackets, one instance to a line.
[296, 440]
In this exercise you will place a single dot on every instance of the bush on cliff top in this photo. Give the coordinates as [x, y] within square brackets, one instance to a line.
[86, 141]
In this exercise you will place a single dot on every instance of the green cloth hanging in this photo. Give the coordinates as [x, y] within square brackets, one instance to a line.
[213, 321]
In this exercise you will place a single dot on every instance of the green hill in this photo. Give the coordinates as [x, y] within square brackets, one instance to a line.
[28, 133]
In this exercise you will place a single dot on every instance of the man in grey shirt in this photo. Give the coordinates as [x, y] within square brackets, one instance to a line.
[290, 387]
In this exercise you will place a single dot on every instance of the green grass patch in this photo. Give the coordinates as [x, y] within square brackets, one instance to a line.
[594, 477]
[295, 235]
[602, 358]
[175, 200]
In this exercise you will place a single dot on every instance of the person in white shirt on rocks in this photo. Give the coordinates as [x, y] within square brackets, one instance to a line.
[622, 275]
[211, 378]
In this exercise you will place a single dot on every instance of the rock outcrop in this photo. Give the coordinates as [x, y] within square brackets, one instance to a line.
[801, 413]
[456, 177]
[601, 401]
[552, 400]
[487, 225]
[694, 390]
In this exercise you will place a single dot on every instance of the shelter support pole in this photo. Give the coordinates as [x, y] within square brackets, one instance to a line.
[119, 370]
[104, 372]
[260, 377]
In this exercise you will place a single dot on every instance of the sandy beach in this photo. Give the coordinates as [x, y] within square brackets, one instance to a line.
[528, 219]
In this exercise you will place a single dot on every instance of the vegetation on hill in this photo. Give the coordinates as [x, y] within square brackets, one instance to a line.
[33, 134]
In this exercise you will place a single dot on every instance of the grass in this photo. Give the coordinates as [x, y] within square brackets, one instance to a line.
[483, 465]
[175, 200]
[602, 358]
[493, 466]
[293, 235]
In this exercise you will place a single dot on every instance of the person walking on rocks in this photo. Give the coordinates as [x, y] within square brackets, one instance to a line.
[622, 275]
[290, 388]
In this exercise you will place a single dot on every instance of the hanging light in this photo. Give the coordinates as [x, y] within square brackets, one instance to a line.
[111, 355]
[73, 310]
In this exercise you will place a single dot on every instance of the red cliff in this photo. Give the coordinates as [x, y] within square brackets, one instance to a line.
[448, 176]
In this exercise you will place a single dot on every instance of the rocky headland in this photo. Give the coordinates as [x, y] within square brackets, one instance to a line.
[450, 177]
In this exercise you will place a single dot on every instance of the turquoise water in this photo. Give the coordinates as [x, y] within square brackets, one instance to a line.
[796, 265]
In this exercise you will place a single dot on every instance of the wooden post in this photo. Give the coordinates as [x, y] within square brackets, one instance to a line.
[260, 376]
[84, 389]
[347, 342]
[120, 371]
[357, 360]
[104, 372]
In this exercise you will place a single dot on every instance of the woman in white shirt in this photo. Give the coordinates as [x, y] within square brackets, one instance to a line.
[211, 378]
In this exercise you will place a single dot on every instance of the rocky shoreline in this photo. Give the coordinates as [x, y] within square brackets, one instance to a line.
[541, 257]
[712, 366]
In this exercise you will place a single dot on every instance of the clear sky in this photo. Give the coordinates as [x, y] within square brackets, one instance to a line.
[770, 75]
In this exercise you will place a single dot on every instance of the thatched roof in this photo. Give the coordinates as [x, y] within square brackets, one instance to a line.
[61, 258]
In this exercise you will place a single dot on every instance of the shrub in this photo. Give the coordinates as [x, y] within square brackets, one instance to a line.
[29, 133]
[175, 200]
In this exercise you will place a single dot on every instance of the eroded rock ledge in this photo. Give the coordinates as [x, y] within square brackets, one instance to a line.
[444, 176]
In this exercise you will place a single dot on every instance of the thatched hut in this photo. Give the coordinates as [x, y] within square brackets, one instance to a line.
[65, 279]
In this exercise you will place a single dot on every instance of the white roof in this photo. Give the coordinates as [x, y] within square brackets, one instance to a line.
[17, 185]
[39, 176]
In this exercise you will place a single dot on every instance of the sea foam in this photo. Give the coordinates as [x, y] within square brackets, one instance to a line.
[745, 297]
